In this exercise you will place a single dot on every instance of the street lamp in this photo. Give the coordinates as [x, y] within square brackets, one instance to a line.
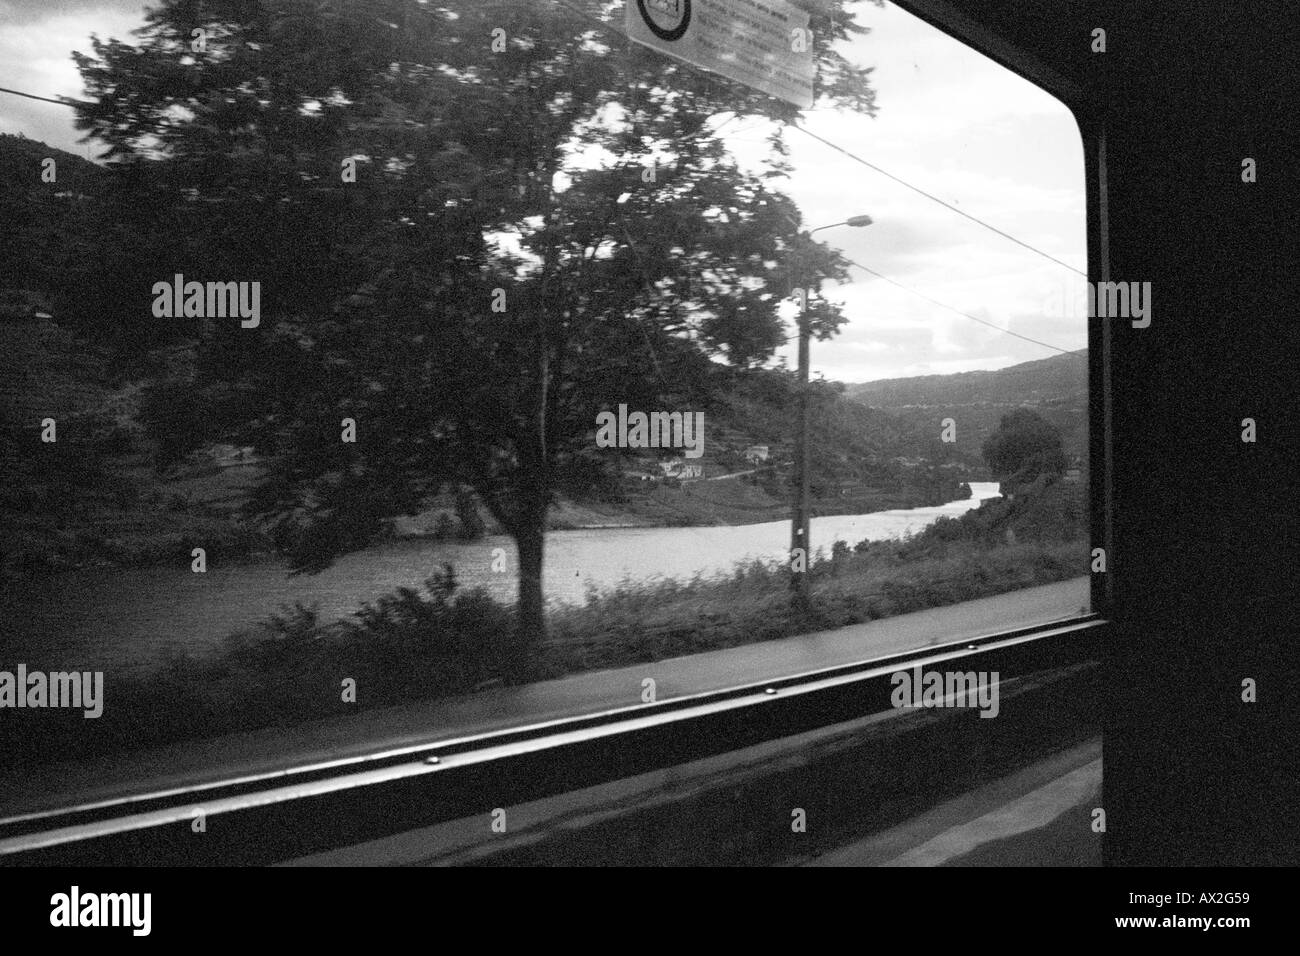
[856, 221]
[801, 512]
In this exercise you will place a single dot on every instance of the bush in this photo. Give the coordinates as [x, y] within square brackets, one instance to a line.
[1024, 445]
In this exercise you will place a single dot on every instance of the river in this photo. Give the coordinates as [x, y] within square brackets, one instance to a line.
[126, 619]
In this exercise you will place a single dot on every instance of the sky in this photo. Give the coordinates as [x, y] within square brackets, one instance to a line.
[37, 38]
[949, 121]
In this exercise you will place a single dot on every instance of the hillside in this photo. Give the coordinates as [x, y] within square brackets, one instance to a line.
[1056, 387]
[46, 371]
[49, 229]
[857, 457]
[88, 244]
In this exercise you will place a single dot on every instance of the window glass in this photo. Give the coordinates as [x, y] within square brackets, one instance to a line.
[396, 370]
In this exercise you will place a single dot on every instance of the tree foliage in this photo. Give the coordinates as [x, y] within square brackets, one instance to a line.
[571, 177]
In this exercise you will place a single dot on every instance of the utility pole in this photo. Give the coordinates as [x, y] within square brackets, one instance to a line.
[800, 511]
[801, 507]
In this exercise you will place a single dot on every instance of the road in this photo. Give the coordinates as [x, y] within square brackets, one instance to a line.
[193, 762]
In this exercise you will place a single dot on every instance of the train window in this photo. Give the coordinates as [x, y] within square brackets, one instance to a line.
[401, 370]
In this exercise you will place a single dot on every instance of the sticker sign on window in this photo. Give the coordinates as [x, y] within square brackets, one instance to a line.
[764, 44]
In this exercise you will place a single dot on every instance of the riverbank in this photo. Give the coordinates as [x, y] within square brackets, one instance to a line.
[144, 520]
[410, 647]
[126, 620]
[716, 502]
[447, 641]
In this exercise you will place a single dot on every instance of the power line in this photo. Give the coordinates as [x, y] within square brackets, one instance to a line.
[916, 189]
[966, 315]
[43, 99]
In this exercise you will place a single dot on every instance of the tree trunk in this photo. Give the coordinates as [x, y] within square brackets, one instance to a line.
[530, 628]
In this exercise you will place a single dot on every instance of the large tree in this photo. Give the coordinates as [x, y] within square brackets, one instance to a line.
[510, 155]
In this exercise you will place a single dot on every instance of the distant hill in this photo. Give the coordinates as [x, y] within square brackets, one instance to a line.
[1056, 387]
[87, 244]
[20, 165]
[50, 239]
[862, 459]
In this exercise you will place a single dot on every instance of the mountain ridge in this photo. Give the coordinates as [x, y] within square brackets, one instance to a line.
[1056, 387]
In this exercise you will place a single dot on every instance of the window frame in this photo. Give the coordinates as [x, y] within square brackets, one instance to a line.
[275, 817]
[272, 817]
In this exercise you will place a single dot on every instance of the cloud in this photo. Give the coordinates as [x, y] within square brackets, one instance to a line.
[983, 140]
[36, 55]
[24, 12]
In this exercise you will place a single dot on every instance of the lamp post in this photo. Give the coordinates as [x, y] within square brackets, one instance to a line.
[801, 511]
